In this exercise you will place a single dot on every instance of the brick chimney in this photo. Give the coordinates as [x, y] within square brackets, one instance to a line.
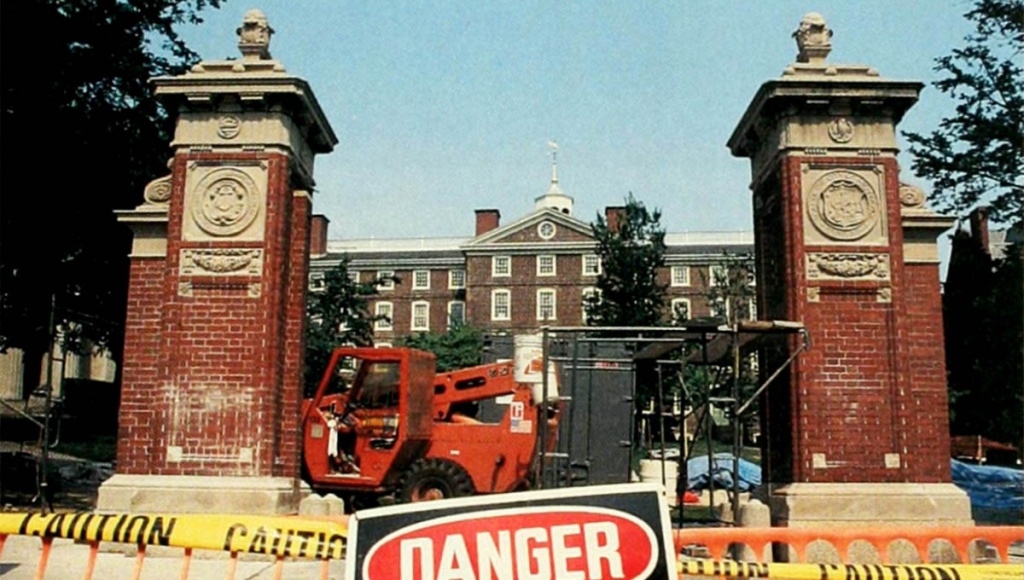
[487, 220]
[318, 235]
[613, 216]
[979, 227]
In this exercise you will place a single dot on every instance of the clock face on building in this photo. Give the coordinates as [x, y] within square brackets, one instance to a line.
[546, 230]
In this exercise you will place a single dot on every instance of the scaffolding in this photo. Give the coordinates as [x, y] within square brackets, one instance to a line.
[665, 354]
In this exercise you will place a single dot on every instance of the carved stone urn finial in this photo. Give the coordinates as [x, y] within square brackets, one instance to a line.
[813, 39]
[254, 36]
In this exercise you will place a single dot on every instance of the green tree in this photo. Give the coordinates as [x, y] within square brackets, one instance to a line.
[983, 306]
[462, 346]
[631, 252]
[79, 116]
[338, 313]
[975, 156]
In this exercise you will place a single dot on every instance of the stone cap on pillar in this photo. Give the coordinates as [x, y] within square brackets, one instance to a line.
[811, 86]
[254, 83]
[921, 226]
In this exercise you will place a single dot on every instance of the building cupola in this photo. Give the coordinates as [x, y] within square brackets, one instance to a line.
[555, 198]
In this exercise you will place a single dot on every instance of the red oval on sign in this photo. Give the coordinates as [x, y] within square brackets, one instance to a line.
[565, 542]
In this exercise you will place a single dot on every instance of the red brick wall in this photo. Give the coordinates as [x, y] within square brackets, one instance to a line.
[140, 365]
[224, 380]
[925, 408]
[853, 395]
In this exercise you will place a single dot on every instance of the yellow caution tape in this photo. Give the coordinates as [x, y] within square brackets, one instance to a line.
[276, 536]
[729, 569]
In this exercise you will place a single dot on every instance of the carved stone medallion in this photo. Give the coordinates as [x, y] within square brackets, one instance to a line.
[840, 130]
[228, 127]
[225, 202]
[911, 195]
[843, 205]
[825, 266]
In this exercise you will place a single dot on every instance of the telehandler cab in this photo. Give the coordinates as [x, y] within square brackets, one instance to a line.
[383, 424]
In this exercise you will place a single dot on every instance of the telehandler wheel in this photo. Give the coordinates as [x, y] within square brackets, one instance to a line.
[429, 479]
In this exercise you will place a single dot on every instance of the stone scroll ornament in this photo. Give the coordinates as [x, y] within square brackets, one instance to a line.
[225, 202]
[843, 206]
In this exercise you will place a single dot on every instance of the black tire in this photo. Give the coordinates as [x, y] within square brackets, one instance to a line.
[429, 479]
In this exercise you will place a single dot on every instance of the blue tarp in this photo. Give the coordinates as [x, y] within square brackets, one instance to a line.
[990, 487]
[721, 471]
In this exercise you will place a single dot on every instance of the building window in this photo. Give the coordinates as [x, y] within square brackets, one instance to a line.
[316, 281]
[420, 316]
[421, 280]
[591, 265]
[752, 309]
[546, 230]
[353, 276]
[545, 265]
[385, 279]
[546, 304]
[681, 309]
[680, 275]
[501, 266]
[456, 313]
[718, 276]
[587, 295]
[720, 308]
[456, 279]
[501, 305]
[385, 312]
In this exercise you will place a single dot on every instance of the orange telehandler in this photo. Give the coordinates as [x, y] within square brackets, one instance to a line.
[383, 424]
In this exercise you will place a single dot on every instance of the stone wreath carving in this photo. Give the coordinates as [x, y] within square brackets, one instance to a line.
[222, 261]
[843, 206]
[847, 266]
[158, 191]
[225, 202]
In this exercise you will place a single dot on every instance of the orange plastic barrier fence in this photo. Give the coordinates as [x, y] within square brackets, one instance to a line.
[282, 538]
[719, 540]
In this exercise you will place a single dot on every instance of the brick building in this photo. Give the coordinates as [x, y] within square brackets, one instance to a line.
[513, 277]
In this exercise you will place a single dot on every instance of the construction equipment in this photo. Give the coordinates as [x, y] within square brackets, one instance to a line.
[382, 423]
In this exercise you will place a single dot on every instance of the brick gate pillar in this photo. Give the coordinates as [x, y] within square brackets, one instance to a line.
[213, 341]
[861, 434]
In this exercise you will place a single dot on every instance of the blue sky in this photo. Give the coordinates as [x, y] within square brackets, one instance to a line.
[443, 107]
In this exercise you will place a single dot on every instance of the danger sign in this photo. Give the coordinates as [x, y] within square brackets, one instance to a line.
[606, 532]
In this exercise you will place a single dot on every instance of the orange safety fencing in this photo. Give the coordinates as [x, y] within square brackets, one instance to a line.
[719, 541]
[283, 538]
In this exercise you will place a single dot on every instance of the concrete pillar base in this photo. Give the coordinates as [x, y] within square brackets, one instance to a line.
[192, 494]
[830, 505]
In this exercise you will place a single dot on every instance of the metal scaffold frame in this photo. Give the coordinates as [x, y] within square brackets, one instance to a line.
[708, 343]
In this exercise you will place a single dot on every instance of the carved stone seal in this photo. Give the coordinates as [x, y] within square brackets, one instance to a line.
[225, 202]
[840, 130]
[843, 206]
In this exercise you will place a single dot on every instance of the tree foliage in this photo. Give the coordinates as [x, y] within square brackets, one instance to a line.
[975, 156]
[84, 133]
[983, 306]
[460, 347]
[338, 313]
[631, 253]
